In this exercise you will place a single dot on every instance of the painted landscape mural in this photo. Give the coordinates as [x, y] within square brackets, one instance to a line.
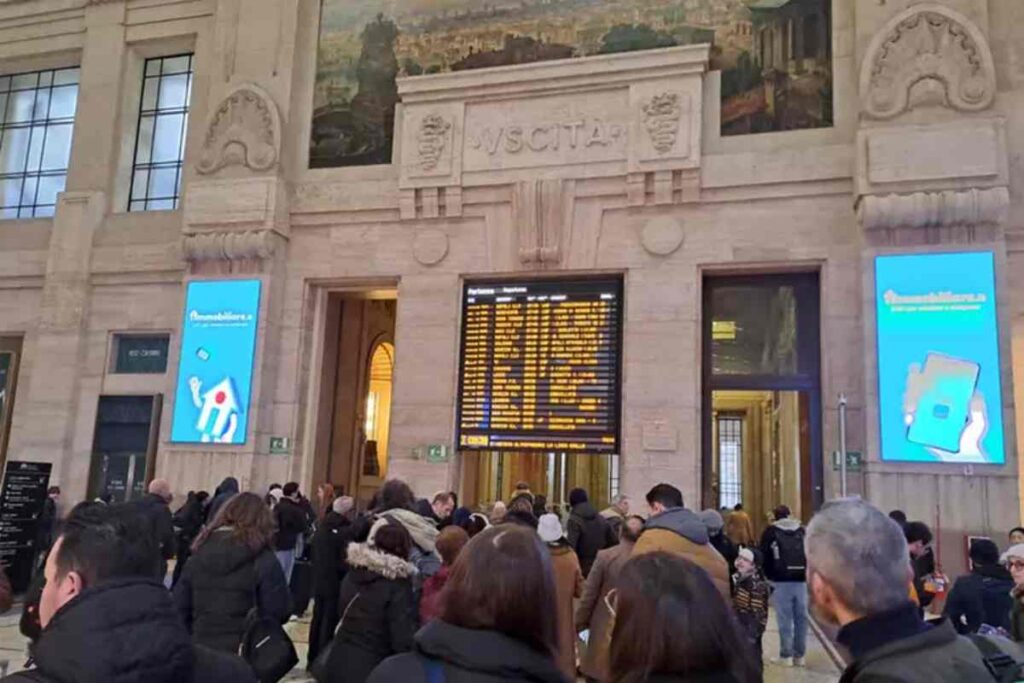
[774, 55]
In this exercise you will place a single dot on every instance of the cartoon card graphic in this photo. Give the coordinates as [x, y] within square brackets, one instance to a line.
[944, 390]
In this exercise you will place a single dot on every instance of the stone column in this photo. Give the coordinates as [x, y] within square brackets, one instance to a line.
[54, 352]
[236, 221]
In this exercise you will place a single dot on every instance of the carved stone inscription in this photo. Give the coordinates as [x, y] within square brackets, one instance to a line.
[547, 131]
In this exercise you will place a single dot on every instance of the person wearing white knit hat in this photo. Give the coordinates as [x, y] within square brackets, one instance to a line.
[1013, 559]
[568, 586]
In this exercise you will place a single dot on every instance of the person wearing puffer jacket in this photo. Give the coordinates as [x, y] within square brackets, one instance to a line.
[378, 611]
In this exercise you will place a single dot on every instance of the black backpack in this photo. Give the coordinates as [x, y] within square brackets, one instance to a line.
[788, 557]
[1001, 657]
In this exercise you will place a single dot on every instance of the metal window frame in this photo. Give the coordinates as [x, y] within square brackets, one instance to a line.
[155, 114]
[25, 174]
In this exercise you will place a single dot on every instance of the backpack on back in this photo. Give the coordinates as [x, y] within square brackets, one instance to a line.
[1003, 657]
[788, 554]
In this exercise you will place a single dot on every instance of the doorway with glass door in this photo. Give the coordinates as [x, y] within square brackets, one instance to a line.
[762, 395]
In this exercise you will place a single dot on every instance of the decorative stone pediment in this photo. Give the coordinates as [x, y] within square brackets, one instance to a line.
[927, 54]
[245, 130]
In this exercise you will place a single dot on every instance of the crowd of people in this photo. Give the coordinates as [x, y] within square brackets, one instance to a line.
[413, 589]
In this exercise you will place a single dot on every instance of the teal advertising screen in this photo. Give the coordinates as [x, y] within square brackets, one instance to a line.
[938, 358]
[218, 347]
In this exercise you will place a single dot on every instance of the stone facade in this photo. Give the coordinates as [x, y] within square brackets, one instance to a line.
[613, 164]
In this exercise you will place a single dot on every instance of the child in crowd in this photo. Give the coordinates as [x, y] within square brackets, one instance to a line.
[750, 593]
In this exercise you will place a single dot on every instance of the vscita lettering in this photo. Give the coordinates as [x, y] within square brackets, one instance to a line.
[542, 137]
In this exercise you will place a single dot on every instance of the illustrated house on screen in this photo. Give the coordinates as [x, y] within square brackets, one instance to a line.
[218, 414]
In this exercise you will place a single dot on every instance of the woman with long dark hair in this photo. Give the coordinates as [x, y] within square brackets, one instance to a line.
[232, 570]
[671, 624]
[497, 617]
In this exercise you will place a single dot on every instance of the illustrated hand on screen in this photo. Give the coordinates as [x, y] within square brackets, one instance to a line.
[195, 384]
[970, 440]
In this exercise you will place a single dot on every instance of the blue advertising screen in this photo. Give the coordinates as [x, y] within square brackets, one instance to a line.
[938, 358]
[218, 346]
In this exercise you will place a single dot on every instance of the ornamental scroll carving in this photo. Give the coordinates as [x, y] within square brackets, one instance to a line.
[245, 130]
[923, 51]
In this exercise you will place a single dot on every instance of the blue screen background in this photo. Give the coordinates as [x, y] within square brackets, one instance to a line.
[215, 351]
[907, 337]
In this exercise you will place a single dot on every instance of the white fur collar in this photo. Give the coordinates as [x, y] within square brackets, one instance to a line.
[389, 566]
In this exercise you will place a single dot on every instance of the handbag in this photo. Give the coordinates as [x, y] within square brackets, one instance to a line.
[266, 646]
[319, 669]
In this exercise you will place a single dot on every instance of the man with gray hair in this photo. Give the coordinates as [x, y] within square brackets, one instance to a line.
[858, 576]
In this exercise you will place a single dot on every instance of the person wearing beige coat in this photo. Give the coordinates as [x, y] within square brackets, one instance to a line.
[592, 612]
[568, 586]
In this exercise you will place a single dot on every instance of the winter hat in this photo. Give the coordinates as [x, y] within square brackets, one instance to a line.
[712, 520]
[577, 496]
[746, 554]
[1013, 551]
[549, 528]
[342, 505]
[460, 516]
[277, 493]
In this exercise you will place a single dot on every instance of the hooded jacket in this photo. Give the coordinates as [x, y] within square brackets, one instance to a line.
[291, 521]
[222, 581]
[772, 569]
[378, 614]
[227, 490]
[158, 515]
[981, 597]
[588, 534]
[469, 656]
[125, 631]
[424, 539]
[680, 531]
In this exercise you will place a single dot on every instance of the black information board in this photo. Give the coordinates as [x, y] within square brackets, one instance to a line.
[21, 502]
[540, 366]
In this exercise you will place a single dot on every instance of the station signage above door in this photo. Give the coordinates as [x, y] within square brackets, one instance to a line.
[940, 396]
[218, 347]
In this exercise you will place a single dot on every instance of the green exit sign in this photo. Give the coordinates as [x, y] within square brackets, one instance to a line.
[280, 445]
[437, 453]
[854, 461]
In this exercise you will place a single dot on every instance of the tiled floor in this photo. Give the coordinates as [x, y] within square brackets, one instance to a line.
[820, 668]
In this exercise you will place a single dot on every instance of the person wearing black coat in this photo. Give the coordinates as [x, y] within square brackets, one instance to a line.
[188, 522]
[232, 570]
[330, 546]
[227, 490]
[107, 618]
[588, 532]
[378, 611]
[125, 631]
[468, 656]
[154, 506]
[983, 596]
[292, 520]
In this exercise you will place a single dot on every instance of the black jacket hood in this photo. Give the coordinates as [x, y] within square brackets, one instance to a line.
[122, 631]
[228, 486]
[486, 652]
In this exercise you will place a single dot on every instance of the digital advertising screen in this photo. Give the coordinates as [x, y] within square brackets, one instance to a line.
[540, 366]
[939, 388]
[218, 347]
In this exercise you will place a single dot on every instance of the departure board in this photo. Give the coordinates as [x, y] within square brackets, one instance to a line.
[540, 366]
